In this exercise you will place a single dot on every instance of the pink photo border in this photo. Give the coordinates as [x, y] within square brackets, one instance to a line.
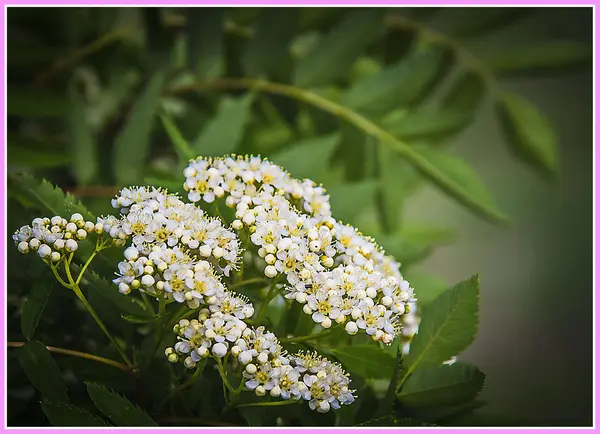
[3, 210]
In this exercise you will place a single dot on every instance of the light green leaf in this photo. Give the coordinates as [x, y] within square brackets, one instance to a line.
[81, 143]
[29, 102]
[461, 182]
[348, 200]
[431, 124]
[442, 385]
[132, 144]
[398, 85]
[365, 360]
[109, 291]
[35, 302]
[225, 131]
[270, 46]
[529, 133]
[205, 41]
[426, 286]
[61, 414]
[42, 371]
[448, 326]
[181, 145]
[335, 53]
[118, 408]
[539, 57]
[308, 158]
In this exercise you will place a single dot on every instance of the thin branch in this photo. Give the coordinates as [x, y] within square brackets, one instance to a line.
[113, 363]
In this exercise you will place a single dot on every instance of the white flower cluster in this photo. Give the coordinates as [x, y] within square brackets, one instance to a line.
[267, 368]
[54, 238]
[336, 272]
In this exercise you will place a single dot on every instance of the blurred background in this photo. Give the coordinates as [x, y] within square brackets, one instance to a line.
[90, 92]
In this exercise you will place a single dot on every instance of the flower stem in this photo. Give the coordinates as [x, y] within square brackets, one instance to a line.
[269, 403]
[86, 265]
[80, 354]
[308, 337]
[263, 308]
[247, 282]
[224, 376]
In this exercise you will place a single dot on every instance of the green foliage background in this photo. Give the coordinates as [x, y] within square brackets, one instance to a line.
[363, 100]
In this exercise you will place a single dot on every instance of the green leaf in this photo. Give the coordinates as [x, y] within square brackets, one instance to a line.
[348, 200]
[393, 421]
[205, 41]
[442, 385]
[134, 319]
[465, 94]
[183, 148]
[36, 158]
[35, 302]
[460, 182]
[431, 124]
[132, 144]
[29, 102]
[539, 57]
[118, 408]
[270, 46]
[387, 404]
[308, 158]
[42, 371]
[400, 84]
[225, 131]
[448, 326]
[476, 21]
[61, 414]
[366, 360]
[43, 196]
[109, 291]
[81, 143]
[335, 53]
[529, 133]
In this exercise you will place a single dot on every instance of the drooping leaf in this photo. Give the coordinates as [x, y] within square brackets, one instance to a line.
[429, 124]
[45, 197]
[459, 181]
[42, 371]
[529, 133]
[61, 414]
[118, 408]
[442, 385]
[448, 325]
[205, 41]
[109, 291]
[398, 85]
[336, 52]
[270, 46]
[365, 360]
[29, 102]
[181, 145]
[348, 200]
[81, 143]
[132, 144]
[541, 57]
[224, 132]
[307, 158]
[35, 302]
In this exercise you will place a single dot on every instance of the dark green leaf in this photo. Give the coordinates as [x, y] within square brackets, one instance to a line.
[529, 133]
[29, 102]
[42, 371]
[133, 142]
[540, 57]
[366, 360]
[61, 414]
[33, 308]
[476, 21]
[225, 131]
[270, 46]
[36, 158]
[430, 124]
[82, 143]
[183, 148]
[448, 325]
[205, 40]
[118, 408]
[334, 55]
[465, 93]
[387, 405]
[308, 158]
[109, 291]
[460, 181]
[348, 200]
[442, 385]
[398, 85]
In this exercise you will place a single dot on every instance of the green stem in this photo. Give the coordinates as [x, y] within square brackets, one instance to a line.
[308, 337]
[224, 375]
[269, 403]
[263, 307]
[248, 282]
[60, 279]
[146, 301]
[85, 266]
